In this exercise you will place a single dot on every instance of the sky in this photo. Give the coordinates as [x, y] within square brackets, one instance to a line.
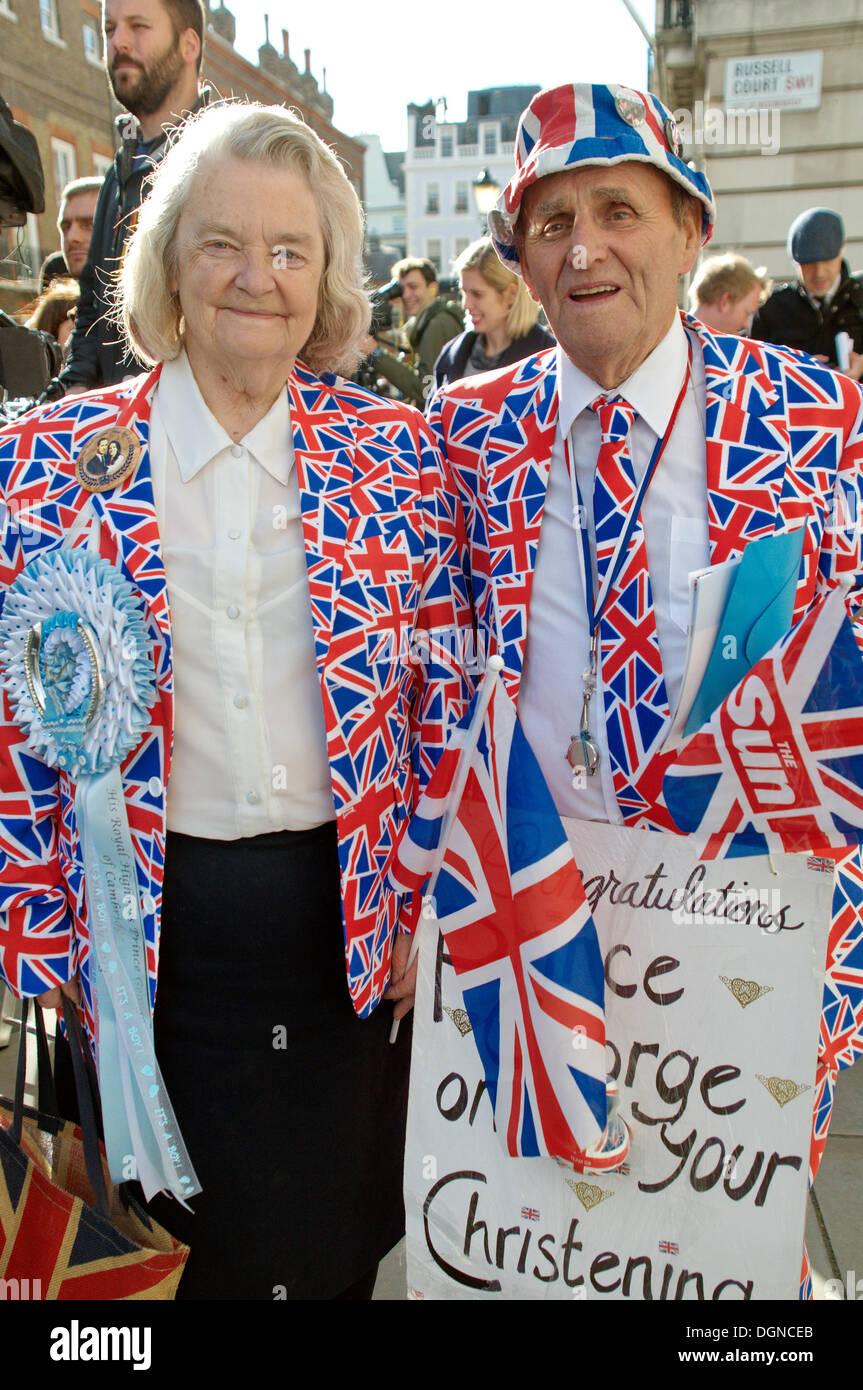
[377, 62]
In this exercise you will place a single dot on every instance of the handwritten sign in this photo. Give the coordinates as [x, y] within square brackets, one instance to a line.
[714, 975]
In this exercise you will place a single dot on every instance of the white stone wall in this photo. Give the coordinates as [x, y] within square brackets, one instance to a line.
[427, 165]
[385, 209]
[819, 158]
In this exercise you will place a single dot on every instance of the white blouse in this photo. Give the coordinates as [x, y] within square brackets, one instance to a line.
[250, 752]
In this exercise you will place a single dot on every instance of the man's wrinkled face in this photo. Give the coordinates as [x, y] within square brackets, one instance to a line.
[602, 252]
[75, 225]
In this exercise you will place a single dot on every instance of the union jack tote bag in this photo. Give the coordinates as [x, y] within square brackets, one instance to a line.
[66, 1231]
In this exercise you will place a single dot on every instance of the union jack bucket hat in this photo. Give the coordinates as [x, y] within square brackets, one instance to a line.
[566, 127]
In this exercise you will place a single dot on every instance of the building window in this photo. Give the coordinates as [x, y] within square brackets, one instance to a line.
[433, 252]
[65, 164]
[461, 196]
[92, 43]
[460, 244]
[432, 198]
[489, 142]
[101, 165]
[446, 146]
[48, 16]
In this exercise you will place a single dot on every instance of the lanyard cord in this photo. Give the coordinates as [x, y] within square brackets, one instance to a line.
[596, 606]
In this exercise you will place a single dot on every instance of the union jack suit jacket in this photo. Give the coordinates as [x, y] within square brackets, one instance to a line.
[784, 446]
[383, 567]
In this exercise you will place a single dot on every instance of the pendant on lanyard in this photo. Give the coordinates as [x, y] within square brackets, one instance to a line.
[583, 751]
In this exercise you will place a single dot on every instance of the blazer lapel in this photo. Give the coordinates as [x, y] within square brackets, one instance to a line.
[517, 461]
[747, 445]
[130, 530]
[324, 443]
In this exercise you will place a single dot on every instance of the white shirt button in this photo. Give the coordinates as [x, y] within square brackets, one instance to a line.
[253, 798]
[232, 610]
[238, 451]
[154, 787]
[240, 701]
[148, 902]
[234, 533]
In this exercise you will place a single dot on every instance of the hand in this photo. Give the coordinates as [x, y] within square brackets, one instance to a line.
[402, 987]
[855, 366]
[51, 998]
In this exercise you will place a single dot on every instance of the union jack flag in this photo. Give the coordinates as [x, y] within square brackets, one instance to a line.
[779, 765]
[529, 1214]
[51, 1234]
[822, 866]
[509, 899]
[669, 1247]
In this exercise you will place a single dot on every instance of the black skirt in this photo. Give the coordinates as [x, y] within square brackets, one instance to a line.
[292, 1108]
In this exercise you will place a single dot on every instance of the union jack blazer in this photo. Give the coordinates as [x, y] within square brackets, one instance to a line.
[384, 568]
[784, 447]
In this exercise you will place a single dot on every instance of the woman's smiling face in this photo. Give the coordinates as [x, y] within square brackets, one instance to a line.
[249, 264]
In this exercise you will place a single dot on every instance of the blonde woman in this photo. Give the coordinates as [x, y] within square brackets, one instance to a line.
[503, 318]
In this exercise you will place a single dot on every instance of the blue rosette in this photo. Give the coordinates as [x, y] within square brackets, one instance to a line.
[78, 665]
[78, 660]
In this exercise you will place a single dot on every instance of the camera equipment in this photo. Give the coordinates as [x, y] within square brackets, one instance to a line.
[22, 183]
[382, 309]
[28, 358]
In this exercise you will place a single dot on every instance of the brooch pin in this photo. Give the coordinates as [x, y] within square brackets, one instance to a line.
[630, 107]
[108, 459]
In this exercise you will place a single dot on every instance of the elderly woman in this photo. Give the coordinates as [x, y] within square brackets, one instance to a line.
[503, 318]
[288, 540]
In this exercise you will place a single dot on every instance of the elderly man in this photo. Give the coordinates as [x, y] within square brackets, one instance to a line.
[644, 429]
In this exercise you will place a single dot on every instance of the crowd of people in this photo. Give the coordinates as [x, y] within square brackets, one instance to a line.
[220, 375]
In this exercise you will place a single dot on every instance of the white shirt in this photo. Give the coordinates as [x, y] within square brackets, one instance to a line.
[250, 753]
[674, 518]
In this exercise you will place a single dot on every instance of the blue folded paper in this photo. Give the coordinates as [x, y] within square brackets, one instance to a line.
[757, 614]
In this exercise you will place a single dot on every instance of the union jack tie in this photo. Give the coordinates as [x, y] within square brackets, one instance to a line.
[633, 687]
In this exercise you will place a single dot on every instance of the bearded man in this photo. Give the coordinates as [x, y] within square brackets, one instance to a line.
[153, 54]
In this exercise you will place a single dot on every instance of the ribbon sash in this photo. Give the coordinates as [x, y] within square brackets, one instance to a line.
[139, 1120]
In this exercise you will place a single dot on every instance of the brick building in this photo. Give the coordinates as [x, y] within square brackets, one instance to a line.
[276, 80]
[52, 76]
